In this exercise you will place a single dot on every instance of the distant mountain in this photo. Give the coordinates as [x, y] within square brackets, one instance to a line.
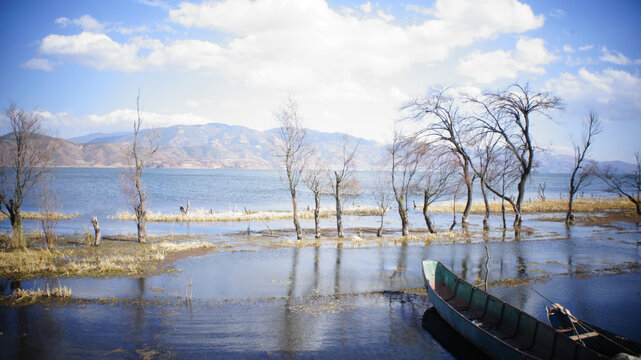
[205, 146]
[217, 145]
[96, 137]
[558, 163]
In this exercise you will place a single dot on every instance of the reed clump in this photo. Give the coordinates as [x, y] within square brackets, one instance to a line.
[580, 205]
[30, 296]
[202, 215]
[39, 216]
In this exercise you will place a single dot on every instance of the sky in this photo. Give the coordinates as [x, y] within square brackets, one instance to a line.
[350, 65]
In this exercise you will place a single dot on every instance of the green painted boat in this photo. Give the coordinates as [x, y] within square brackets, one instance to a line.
[498, 329]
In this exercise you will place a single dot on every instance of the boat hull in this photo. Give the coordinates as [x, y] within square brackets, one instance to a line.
[496, 328]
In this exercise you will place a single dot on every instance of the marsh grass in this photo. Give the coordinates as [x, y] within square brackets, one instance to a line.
[29, 296]
[109, 259]
[202, 215]
[39, 216]
[581, 205]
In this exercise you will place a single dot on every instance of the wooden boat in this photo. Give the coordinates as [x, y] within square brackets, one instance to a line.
[498, 329]
[600, 340]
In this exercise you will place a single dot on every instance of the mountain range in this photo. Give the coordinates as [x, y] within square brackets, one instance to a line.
[216, 145]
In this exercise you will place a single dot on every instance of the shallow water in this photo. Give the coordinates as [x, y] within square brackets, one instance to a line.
[326, 302]
[97, 192]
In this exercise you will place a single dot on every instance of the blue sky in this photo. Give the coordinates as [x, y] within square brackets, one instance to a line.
[349, 64]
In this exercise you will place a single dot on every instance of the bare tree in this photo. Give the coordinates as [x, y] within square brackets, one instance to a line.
[508, 114]
[24, 160]
[316, 181]
[627, 185]
[382, 197]
[439, 170]
[293, 151]
[447, 126]
[49, 203]
[485, 153]
[405, 156]
[133, 187]
[502, 174]
[582, 174]
[342, 181]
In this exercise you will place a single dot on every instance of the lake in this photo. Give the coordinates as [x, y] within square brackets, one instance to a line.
[312, 302]
[98, 192]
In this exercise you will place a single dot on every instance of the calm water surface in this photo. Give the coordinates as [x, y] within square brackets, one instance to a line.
[315, 302]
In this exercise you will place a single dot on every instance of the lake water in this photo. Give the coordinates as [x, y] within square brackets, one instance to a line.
[98, 192]
[312, 302]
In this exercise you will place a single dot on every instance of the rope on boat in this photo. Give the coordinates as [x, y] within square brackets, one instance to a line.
[574, 320]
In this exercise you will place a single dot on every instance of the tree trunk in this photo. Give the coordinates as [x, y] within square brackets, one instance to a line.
[339, 216]
[402, 212]
[428, 220]
[486, 218]
[569, 217]
[521, 189]
[503, 213]
[142, 224]
[317, 215]
[468, 184]
[16, 227]
[96, 229]
[299, 232]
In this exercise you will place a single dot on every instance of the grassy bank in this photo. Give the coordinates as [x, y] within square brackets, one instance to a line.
[112, 257]
[202, 215]
[581, 205]
[38, 216]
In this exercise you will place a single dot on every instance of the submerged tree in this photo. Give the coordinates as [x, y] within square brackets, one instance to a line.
[342, 181]
[293, 151]
[405, 156]
[626, 185]
[439, 169]
[484, 159]
[508, 114]
[581, 173]
[24, 160]
[382, 198]
[316, 182]
[449, 128]
[132, 184]
[49, 203]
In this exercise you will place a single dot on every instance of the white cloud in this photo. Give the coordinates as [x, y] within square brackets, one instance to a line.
[586, 47]
[86, 22]
[568, 48]
[618, 89]
[616, 57]
[287, 43]
[94, 50]
[39, 64]
[367, 7]
[529, 56]
[122, 118]
[557, 13]
[419, 9]
[155, 3]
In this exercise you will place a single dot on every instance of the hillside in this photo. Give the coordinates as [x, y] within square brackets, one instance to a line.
[217, 145]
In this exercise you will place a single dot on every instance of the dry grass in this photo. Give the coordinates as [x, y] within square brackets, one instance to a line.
[581, 205]
[40, 216]
[202, 215]
[109, 259]
[25, 297]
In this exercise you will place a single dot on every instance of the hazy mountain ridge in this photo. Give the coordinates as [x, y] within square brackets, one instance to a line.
[218, 145]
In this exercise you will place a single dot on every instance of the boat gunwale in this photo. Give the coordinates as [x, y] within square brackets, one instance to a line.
[524, 352]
